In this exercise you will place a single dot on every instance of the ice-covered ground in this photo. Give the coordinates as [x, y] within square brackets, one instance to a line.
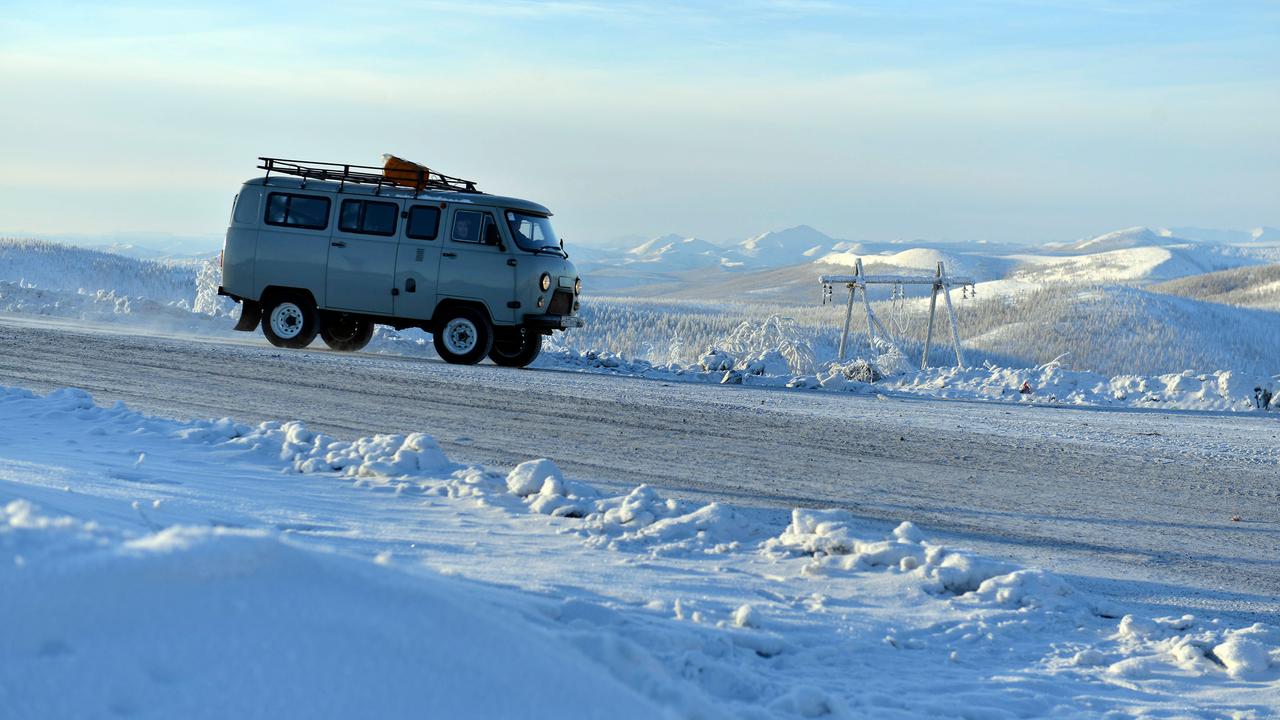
[154, 567]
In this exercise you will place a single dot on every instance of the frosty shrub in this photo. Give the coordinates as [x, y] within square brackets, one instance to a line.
[860, 370]
[207, 300]
[755, 342]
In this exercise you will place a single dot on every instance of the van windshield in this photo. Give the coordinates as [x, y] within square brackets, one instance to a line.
[533, 232]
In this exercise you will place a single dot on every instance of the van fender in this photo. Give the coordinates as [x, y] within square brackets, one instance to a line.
[450, 303]
[250, 316]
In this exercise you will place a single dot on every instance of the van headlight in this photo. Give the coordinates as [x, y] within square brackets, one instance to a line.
[545, 282]
[577, 286]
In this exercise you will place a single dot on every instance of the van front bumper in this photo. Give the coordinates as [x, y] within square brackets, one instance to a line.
[553, 322]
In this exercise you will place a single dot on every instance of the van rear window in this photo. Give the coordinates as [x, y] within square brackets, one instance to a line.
[368, 217]
[424, 222]
[300, 211]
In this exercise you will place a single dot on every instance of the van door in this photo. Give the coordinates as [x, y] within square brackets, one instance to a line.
[470, 269]
[418, 262]
[362, 257]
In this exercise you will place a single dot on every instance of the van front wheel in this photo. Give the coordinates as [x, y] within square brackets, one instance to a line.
[344, 332]
[290, 321]
[516, 348]
[463, 336]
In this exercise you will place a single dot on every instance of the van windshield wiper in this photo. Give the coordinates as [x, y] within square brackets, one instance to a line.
[552, 249]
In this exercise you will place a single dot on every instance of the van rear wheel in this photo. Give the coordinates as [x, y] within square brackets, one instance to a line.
[344, 332]
[516, 348]
[290, 320]
[462, 336]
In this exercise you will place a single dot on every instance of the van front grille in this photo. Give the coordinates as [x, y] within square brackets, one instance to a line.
[561, 303]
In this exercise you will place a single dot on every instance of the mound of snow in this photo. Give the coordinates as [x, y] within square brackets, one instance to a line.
[166, 623]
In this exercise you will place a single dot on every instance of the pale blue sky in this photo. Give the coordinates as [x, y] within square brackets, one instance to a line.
[1024, 122]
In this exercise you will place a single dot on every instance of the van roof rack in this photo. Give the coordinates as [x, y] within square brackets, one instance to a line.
[363, 175]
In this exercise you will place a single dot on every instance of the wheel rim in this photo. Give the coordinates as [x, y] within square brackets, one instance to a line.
[286, 321]
[460, 336]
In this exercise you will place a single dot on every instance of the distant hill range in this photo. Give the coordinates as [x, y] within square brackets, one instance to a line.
[783, 265]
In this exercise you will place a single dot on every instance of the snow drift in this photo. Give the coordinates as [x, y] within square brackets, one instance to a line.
[147, 568]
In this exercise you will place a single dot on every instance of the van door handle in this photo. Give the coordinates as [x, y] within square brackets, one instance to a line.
[448, 254]
[338, 243]
[511, 262]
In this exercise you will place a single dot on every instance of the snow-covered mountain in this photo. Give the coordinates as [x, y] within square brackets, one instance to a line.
[674, 252]
[783, 265]
[777, 248]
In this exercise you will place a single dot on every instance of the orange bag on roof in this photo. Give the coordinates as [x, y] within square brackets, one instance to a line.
[405, 173]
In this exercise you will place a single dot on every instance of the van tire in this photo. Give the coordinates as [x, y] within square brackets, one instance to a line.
[516, 347]
[290, 320]
[462, 336]
[345, 333]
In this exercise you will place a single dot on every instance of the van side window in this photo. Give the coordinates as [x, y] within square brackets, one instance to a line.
[466, 226]
[424, 222]
[301, 211]
[368, 217]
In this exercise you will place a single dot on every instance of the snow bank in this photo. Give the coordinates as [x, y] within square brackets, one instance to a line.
[217, 622]
[890, 373]
[1051, 384]
[107, 306]
[151, 610]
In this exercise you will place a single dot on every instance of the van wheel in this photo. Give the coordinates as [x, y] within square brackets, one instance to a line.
[290, 321]
[344, 332]
[462, 336]
[516, 348]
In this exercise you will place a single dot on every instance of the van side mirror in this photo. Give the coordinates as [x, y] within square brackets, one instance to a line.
[492, 236]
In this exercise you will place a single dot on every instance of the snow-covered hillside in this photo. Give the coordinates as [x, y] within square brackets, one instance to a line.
[1111, 329]
[1127, 238]
[52, 266]
[923, 261]
[211, 568]
[1148, 263]
[1255, 286]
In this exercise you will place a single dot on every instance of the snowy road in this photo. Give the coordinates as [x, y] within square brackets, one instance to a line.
[1138, 505]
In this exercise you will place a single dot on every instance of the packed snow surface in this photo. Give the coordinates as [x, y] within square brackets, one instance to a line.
[149, 565]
